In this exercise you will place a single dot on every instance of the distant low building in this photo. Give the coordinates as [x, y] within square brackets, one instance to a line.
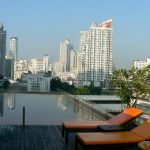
[37, 82]
[141, 64]
[40, 65]
[20, 67]
[58, 68]
[68, 77]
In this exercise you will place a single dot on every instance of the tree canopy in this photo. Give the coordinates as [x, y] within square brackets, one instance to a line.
[132, 84]
[86, 90]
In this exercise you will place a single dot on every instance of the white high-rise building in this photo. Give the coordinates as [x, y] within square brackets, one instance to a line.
[64, 58]
[94, 60]
[13, 47]
[2, 49]
[141, 64]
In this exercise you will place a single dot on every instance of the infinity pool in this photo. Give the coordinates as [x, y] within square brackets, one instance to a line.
[40, 109]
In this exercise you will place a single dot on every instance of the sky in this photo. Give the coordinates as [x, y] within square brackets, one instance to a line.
[41, 25]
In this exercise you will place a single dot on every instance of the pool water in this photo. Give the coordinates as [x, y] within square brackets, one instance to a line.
[40, 109]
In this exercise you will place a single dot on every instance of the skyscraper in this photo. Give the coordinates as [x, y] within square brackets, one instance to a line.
[2, 49]
[73, 60]
[9, 67]
[64, 58]
[13, 47]
[94, 60]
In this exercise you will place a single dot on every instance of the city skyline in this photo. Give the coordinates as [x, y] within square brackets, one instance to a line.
[41, 26]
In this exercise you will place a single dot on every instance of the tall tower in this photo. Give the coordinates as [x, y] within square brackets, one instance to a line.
[9, 67]
[13, 47]
[65, 48]
[2, 49]
[94, 64]
[73, 58]
[46, 62]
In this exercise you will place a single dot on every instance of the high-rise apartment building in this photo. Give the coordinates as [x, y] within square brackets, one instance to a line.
[94, 60]
[13, 47]
[2, 49]
[64, 58]
[141, 64]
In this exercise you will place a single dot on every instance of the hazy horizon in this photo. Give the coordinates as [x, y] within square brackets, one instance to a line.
[41, 25]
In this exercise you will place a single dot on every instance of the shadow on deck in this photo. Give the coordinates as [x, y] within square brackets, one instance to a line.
[34, 138]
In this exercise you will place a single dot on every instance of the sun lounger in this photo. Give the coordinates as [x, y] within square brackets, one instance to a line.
[114, 139]
[90, 126]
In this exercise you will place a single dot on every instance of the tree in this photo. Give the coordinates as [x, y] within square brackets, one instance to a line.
[95, 90]
[121, 80]
[140, 82]
[1, 76]
[68, 88]
[132, 84]
[6, 84]
[55, 84]
[82, 91]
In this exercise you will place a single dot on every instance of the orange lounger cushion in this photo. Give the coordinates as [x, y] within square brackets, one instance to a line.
[84, 124]
[138, 134]
[127, 115]
[143, 130]
[108, 138]
[81, 126]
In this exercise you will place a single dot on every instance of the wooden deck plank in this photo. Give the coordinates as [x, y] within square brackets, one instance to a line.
[34, 138]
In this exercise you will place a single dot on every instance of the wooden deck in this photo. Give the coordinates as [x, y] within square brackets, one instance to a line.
[34, 138]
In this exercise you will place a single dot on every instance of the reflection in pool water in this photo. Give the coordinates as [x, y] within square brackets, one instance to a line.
[41, 109]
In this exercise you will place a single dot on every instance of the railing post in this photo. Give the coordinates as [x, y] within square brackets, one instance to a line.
[92, 112]
[23, 117]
